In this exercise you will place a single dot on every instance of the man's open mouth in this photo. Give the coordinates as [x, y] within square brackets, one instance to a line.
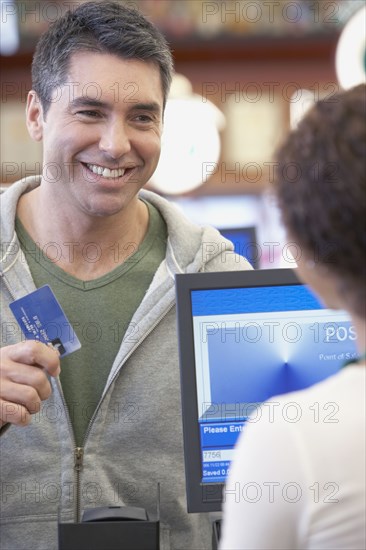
[107, 173]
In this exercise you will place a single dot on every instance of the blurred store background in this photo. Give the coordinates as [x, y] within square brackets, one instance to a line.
[246, 72]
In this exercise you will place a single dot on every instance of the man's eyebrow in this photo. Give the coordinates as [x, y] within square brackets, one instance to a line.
[153, 107]
[83, 101]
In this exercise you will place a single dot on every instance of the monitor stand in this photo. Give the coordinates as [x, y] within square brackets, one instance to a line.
[216, 520]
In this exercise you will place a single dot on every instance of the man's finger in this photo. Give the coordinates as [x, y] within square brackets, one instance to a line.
[32, 352]
[14, 413]
[21, 376]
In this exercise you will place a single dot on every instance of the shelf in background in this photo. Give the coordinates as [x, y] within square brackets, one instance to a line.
[256, 48]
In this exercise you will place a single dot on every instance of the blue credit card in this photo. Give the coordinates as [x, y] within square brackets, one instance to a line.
[41, 317]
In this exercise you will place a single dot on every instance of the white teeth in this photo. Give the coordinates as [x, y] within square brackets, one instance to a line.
[106, 172]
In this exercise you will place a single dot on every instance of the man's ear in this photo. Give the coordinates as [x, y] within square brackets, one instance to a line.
[34, 116]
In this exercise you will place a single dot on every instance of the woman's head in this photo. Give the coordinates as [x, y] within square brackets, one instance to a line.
[321, 191]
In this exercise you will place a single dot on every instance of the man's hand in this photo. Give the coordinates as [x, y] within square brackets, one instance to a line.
[23, 379]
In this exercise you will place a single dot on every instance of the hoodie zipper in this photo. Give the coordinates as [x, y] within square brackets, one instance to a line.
[78, 464]
[79, 451]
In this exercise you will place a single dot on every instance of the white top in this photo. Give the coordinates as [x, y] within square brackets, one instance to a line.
[298, 476]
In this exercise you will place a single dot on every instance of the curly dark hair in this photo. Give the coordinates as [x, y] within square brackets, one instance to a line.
[101, 26]
[320, 184]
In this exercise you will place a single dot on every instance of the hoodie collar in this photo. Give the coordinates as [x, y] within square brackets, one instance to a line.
[190, 246]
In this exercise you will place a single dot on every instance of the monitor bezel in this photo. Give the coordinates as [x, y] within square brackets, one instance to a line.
[207, 497]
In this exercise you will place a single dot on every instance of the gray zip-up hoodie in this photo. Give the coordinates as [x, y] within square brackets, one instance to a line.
[134, 439]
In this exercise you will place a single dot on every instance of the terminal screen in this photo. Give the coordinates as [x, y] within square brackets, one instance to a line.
[251, 344]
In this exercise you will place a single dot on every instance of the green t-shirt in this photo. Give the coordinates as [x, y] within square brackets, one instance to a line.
[99, 310]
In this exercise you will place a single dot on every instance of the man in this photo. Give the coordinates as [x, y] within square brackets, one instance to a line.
[108, 429]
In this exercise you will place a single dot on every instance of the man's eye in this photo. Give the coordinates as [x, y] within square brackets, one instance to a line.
[91, 114]
[144, 118]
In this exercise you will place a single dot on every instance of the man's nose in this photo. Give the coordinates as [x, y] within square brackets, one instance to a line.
[115, 140]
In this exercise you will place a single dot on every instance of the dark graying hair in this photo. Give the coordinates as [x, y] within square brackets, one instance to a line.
[105, 27]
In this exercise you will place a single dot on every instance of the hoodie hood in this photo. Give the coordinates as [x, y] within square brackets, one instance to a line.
[10, 248]
[191, 248]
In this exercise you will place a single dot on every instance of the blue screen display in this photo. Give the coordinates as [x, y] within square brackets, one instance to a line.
[253, 300]
[252, 344]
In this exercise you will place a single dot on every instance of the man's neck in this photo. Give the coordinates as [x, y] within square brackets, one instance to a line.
[90, 247]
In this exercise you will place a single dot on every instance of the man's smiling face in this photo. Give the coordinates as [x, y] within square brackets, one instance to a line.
[102, 132]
